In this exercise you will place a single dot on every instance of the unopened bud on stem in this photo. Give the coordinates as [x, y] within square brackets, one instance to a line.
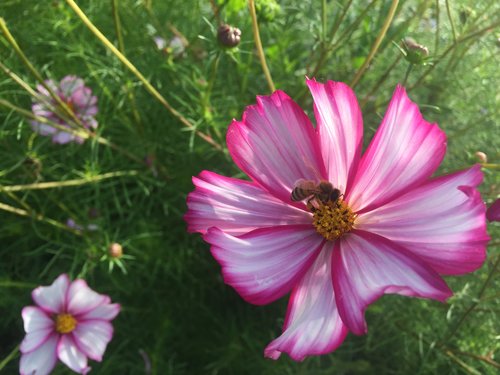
[229, 36]
[415, 53]
[115, 250]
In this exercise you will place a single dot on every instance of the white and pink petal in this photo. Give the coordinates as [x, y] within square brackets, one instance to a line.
[442, 221]
[69, 84]
[405, 151]
[106, 311]
[42, 360]
[35, 319]
[33, 340]
[340, 129]
[82, 299]
[313, 325]
[52, 298]
[69, 354]
[275, 145]
[263, 265]
[236, 206]
[92, 337]
[367, 266]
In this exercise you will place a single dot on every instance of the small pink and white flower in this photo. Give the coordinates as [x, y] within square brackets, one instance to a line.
[389, 228]
[72, 91]
[70, 322]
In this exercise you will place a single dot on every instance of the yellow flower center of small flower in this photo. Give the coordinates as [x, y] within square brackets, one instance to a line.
[65, 323]
[333, 219]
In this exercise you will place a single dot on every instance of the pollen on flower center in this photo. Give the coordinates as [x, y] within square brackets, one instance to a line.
[333, 219]
[65, 323]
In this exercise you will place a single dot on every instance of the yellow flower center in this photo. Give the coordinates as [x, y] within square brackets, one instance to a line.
[65, 323]
[333, 219]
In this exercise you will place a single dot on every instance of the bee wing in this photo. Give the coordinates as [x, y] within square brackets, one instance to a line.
[306, 185]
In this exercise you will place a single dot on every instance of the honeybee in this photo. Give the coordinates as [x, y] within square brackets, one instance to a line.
[322, 192]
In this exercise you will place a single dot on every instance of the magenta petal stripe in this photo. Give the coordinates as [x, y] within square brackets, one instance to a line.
[313, 325]
[340, 129]
[405, 151]
[275, 145]
[442, 222]
[236, 206]
[367, 266]
[263, 265]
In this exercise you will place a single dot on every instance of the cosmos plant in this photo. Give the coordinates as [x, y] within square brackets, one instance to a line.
[70, 322]
[78, 98]
[335, 227]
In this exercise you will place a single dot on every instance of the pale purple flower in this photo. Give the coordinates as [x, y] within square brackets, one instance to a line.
[71, 323]
[78, 98]
[160, 42]
[391, 227]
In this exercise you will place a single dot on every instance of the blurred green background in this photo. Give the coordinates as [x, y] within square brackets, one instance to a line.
[178, 317]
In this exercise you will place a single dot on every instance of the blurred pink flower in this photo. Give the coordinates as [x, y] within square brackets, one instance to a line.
[493, 212]
[70, 322]
[389, 228]
[77, 96]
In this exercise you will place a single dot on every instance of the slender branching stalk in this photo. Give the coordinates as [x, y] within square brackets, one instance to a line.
[121, 47]
[12, 41]
[475, 303]
[452, 24]
[376, 44]
[436, 40]
[38, 217]
[67, 183]
[258, 45]
[9, 357]
[149, 87]
[381, 80]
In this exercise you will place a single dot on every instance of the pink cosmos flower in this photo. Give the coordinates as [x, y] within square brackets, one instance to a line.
[70, 322]
[390, 228]
[493, 212]
[77, 96]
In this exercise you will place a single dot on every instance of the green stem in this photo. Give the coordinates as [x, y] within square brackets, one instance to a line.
[258, 45]
[407, 74]
[474, 304]
[436, 41]
[376, 45]
[452, 47]
[82, 133]
[325, 53]
[121, 47]
[67, 183]
[12, 41]
[381, 80]
[9, 357]
[149, 87]
[452, 24]
[323, 22]
[38, 217]
[208, 92]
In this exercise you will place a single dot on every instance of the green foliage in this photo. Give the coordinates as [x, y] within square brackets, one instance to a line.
[178, 315]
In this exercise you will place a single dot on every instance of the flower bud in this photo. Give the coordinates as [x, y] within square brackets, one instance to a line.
[229, 36]
[415, 53]
[481, 157]
[115, 250]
